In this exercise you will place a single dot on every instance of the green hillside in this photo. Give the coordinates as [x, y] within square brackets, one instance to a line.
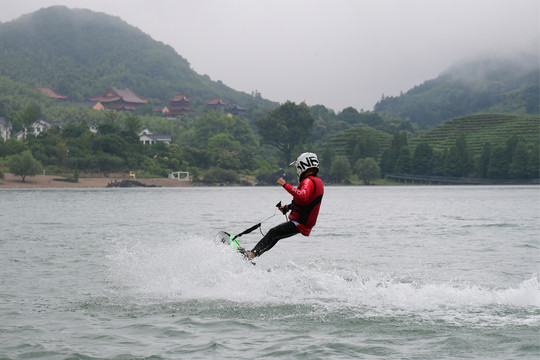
[81, 53]
[480, 86]
[479, 129]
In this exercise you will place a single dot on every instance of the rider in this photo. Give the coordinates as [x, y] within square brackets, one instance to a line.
[304, 207]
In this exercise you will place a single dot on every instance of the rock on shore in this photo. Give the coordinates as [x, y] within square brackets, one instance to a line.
[128, 183]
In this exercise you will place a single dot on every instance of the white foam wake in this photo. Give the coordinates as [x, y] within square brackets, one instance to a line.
[198, 269]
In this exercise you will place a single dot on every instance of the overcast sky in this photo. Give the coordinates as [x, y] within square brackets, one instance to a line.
[337, 53]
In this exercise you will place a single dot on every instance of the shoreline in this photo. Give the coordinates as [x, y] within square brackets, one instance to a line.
[11, 181]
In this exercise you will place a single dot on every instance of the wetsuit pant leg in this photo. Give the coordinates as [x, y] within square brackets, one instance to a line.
[275, 234]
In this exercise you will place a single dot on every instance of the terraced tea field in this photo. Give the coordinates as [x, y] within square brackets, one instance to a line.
[343, 143]
[479, 129]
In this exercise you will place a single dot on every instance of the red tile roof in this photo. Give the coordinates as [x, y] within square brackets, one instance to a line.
[50, 92]
[179, 97]
[216, 101]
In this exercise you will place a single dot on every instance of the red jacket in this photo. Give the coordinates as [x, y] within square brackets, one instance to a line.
[306, 202]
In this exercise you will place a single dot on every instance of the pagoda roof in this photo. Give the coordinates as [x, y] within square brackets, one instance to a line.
[237, 107]
[216, 101]
[179, 97]
[105, 99]
[50, 93]
[114, 94]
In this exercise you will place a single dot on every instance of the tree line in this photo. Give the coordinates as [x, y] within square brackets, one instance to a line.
[217, 147]
[511, 161]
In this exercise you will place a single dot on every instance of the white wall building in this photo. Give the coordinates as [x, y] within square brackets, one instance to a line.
[148, 138]
[5, 128]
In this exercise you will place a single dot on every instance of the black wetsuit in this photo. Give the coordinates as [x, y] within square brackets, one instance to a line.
[275, 234]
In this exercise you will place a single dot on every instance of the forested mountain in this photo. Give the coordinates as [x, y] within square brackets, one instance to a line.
[491, 85]
[81, 53]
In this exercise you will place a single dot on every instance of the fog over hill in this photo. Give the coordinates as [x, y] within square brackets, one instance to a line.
[482, 85]
[80, 53]
[484, 70]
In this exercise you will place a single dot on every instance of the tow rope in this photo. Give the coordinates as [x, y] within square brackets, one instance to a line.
[258, 226]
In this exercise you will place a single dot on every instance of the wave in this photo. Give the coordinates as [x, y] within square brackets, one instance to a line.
[198, 270]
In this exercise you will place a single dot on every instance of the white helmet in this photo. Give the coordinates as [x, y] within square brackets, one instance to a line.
[304, 162]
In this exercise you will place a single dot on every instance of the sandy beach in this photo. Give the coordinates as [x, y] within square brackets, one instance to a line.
[47, 181]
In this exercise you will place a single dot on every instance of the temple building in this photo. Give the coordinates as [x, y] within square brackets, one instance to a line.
[236, 109]
[119, 99]
[216, 103]
[179, 105]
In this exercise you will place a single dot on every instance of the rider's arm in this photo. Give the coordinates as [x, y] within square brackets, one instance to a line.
[303, 193]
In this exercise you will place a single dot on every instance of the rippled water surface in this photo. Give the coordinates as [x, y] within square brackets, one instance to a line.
[388, 272]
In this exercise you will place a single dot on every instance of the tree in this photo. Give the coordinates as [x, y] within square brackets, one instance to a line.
[386, 161]
[452, 164]
[341, 168]
[13, 146]
[438, 160]
[363, 148]
[465, 159]
[286, 127]
[421, 161]
[367, 169]
[24, 165]
[403, 162]
[74, 131]
[349, 115]
[111, 124]
[26, 117]
[534, 162]
[325, 158]
[107, 162]
[214, 123]
[498, 164]
[390, 156]
[511, 144]
[132, 125]
[229, 154]
[111, 144]
[518, 166]
[458, 162]
[483, 161]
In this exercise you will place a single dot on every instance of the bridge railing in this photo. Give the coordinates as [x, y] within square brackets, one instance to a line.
[448, 180]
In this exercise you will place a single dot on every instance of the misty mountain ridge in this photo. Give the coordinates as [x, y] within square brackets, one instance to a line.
[485, 72]
[482, 85]
[81, 53]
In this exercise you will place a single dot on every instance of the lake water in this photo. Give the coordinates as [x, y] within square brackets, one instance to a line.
[438, 272]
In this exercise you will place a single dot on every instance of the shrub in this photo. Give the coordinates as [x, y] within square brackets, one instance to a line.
[219, 175]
